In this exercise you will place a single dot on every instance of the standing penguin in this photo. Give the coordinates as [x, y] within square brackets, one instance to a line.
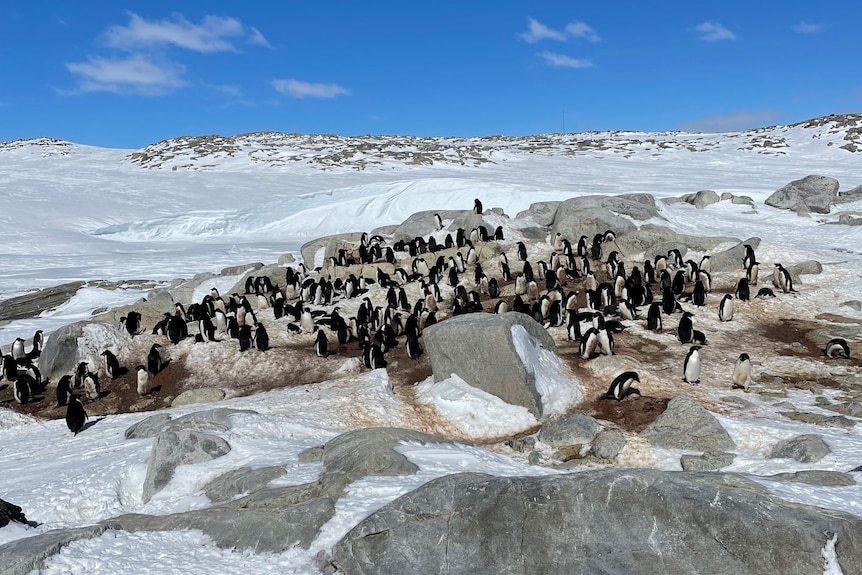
[21, 389]
[685, 327]
[154, 359]
[742, 372]
[725, 308]
[654, 317]
[112, 365]
[477, 206]
[691, 366]
[76, 417]
[261, 338]
[244, 337]
[64, 391]
[38, 343]
[589, 343]
[621, 386]
[414, 349]
[438, 222]
[321, 344]
[18, 348]
[92, 387]
[743, 293]
[144, 383]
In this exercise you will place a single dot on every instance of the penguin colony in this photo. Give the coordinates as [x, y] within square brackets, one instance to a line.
[584, 287]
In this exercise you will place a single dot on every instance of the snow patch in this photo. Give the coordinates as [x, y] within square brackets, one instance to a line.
[555, 384]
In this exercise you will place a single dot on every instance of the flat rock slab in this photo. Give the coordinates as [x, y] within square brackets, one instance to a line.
[808, 448]
[816, 477]
[820, 419]
[32, 304]
[174, 448]
[709, 461]
[608, 444]
[240, 481]
[687, 425]
[568, 431]
[201, 395]
[23, 556]
[633, 521]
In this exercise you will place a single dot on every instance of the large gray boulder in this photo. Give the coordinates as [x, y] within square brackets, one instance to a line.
[540, 212]
[608, 444]
[702, 198]
[330, 246]
[217, 419]
[709, 461]
[242, 480]
[651, 240]
[199, 395]
[479, 348]
[23, 556]
[731, 258]
[174, 448]
[590, 215]
[60, 355]
[810, 194]
[567, 431]
[634, 521]
[808, 448]
[687, 425]
[851, 195]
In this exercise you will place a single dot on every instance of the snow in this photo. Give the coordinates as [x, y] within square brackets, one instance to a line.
[82, 213]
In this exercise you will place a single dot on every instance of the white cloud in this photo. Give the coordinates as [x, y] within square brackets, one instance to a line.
[209, 36]
[135, 74]
[713, 32]
[537, 31]
[563, 61]
[732, 122]
[299, 89]
[257, 38]
[807, 28]
[581, 30]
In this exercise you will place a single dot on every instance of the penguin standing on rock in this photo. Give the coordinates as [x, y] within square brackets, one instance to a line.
[76, 417]
[477, 206]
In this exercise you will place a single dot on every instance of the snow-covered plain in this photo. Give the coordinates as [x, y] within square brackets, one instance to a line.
[79, 213]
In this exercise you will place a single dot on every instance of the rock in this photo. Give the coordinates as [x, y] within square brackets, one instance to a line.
[852, 195]
[33, 303]
[745, 200]
[854, 409]
[285, 259]
[200, 395]
[702, 198]
[590, 215]
[687, 425]
[275, 273]
[174, 448]
[23, 556]
[849, 220]
[60, 355]
[501, 371]
[10, 512]
[152, 309]
[329, 245]
[854, 304]
[540, 212]
[240, 481]
[810, 194]
[816, 477]
[651, 240]
[149, 427]
[522, 444]
[261, 531]
[806, 267]
[608, 444]
[820, 419]
[731, 259]
[709, 461]
[567, 431]
[808, 448]
[423, 224]
[217, 419]
[632, 521]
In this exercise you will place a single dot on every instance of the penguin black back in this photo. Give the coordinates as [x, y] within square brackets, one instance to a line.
[76, 417]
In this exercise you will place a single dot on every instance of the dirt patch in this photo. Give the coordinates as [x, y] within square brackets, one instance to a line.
[632, 414]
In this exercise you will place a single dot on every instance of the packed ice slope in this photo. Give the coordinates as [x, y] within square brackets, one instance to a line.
[201, 203]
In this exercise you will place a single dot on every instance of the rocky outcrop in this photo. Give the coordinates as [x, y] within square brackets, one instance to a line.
[174, 448]
[479, 348]
[709, 461]
[584, 523]
[24, 556]
[608, 444]
[809, 194]
[816, 477]
[211, 420]
[651, 240]
[590, 215]
[243, 480]
[34, 303]
[567, 431]
[60, 355]
[200, 395]
[808, 448]
[731, 258]
[542, 213]
[687, 425]
[330, 246]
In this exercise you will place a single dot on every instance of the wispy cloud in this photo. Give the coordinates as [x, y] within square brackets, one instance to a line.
[563, 61]
[133, 75]
[299, 89]
[536, 31]
[581, 30]
[211, 34]
[257, 38]
[733, 121]
[711, 31]
[807, 28]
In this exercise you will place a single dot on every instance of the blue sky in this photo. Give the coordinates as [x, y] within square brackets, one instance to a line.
[119, 74]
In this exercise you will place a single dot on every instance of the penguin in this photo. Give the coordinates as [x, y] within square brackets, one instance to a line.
[573, 329]
[684, 329]
[691, 366]
[64, 391]
[38, 344]
[438, 222]
[698, 337]
[742, 373]
[621, 386]
[10, 368]
[112, 365]
[144, 383]
[244, 337]
[80, 373]
[501, 306]
[154, 359]
[477, 206]
[751, 273]
[18, 349]
[176, 329]
[654, 317]
[92, 387]
[749, 258]
[743, 293]
[76, 416]
[705, 265]
[782, 279]
[589, 342]
[306, 321]
[725, 308]
[321, 344]
[765, 292]
[698, 296]
[261, 338]
[522, 251]
[132, 323]
[413, 347]
[605, 341]
[21, 389]
[837, 347]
